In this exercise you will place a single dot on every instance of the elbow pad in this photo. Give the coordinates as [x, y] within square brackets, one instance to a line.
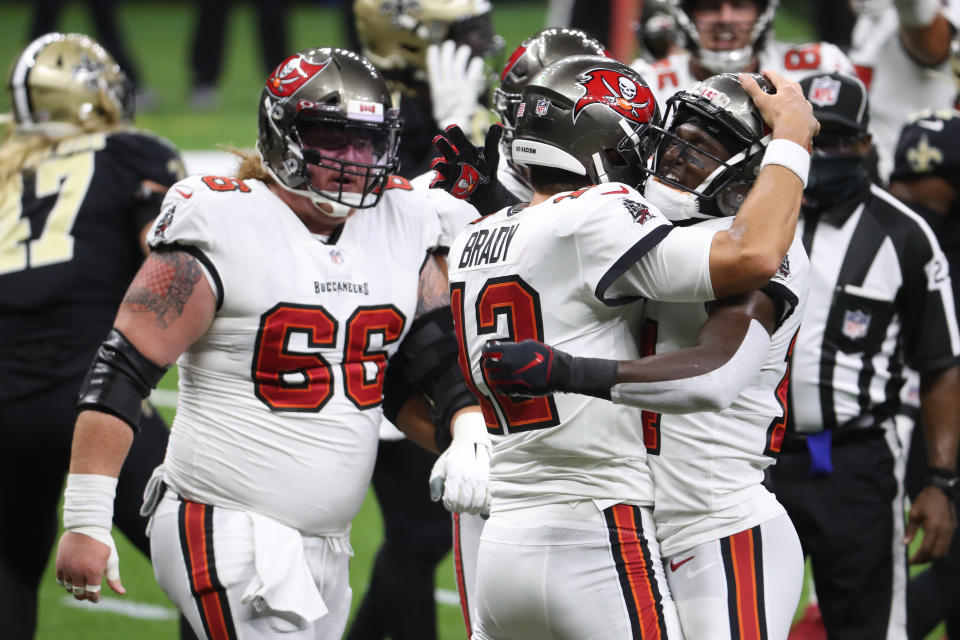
[118, 380]
[427, 362]
[711, 391]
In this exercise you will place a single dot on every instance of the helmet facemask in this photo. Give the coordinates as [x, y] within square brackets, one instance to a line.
[725, 60]
[330, 133]
[703, 142]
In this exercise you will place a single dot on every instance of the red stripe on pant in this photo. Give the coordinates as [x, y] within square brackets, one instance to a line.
[461, 580]
[745, 568]
[196, 529]
[636, 575]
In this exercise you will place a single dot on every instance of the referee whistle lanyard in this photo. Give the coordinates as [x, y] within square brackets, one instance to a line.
[819, 445]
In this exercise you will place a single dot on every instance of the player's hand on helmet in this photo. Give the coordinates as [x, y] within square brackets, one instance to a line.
[787, 112]
[461, 475]
[457, 80]
[85, 556]
[464, 170]
[524, 369]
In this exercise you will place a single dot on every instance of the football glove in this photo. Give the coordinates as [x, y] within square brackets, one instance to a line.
[465, 171]
[461, 474]
[530, 368]
[456, 80]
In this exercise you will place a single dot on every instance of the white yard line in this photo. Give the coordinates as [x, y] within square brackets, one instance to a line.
[144, 611]
[128, 608]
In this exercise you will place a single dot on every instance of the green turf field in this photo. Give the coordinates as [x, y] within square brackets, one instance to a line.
[159, 36]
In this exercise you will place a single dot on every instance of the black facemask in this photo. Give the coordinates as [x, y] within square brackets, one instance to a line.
[834, 179]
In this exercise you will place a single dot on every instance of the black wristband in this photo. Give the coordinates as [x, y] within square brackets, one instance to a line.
[946, 480]
[492, 199]
[587, 376]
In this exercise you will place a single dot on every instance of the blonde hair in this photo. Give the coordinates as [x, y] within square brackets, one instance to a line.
[251, 166]
[20, 150]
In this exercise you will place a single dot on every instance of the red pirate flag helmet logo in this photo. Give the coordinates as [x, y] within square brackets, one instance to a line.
[293, 73]
[628, 97]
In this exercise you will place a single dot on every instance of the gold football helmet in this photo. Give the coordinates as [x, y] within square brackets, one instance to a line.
[394, 34]
[63, 83]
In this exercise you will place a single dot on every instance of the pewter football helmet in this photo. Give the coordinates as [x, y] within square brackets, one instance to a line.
[338, 90]
[587, 115]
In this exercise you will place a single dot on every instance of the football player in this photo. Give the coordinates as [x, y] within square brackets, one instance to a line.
[711, 383]
[901, 52]
[732, 36]
[281, 293]
[570, 545]
[79, 187]
[527, 60]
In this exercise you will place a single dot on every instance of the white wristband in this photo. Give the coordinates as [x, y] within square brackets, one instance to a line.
[470, 427]
[790, 155]
[88, 501]
[917, 13]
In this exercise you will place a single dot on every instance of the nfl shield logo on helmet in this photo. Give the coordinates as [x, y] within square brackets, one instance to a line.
[855, 324]
[542, 105]
[824, 91]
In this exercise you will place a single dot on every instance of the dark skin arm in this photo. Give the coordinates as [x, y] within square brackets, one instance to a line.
[929, 46]
[716, 343]
[933, 509]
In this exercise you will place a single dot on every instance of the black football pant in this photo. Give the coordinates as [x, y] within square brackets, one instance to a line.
[35, 437]
[46, 15]
[933, 596]
[845, 521]
[209, 38]
[399, 602]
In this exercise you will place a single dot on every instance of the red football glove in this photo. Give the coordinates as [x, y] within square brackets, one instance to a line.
[530, 368]
[466, 171]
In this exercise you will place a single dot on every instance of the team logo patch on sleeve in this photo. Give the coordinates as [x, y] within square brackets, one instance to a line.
[621, 93]
[639, 212]
[166, 219]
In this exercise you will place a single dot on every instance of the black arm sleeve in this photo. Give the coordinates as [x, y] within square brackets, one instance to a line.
[427, 363]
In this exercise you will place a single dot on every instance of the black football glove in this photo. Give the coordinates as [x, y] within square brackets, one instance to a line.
[468, 172]
[530, 368]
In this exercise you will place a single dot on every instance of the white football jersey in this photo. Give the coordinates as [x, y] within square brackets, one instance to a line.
[708, 467]
[550, 272]
[280, 398]
[672, 74]
[898, 85]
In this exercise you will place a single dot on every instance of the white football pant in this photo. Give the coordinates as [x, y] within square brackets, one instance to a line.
[745, 586]
[572, 572]
[204, 560]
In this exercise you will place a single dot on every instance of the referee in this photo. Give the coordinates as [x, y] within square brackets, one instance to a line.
[878, 345]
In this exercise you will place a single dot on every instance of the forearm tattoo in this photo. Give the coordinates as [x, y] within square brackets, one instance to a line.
[163, 286]
[434, 291]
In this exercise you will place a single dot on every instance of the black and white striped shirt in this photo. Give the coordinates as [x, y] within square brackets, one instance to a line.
[880, 306]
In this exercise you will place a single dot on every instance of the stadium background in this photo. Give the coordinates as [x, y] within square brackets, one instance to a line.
[159, 37]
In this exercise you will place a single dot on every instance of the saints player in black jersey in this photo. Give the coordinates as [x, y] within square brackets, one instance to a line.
[78, 189]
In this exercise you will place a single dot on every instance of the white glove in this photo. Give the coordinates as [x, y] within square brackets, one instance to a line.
[456, 83]
[461, 474]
